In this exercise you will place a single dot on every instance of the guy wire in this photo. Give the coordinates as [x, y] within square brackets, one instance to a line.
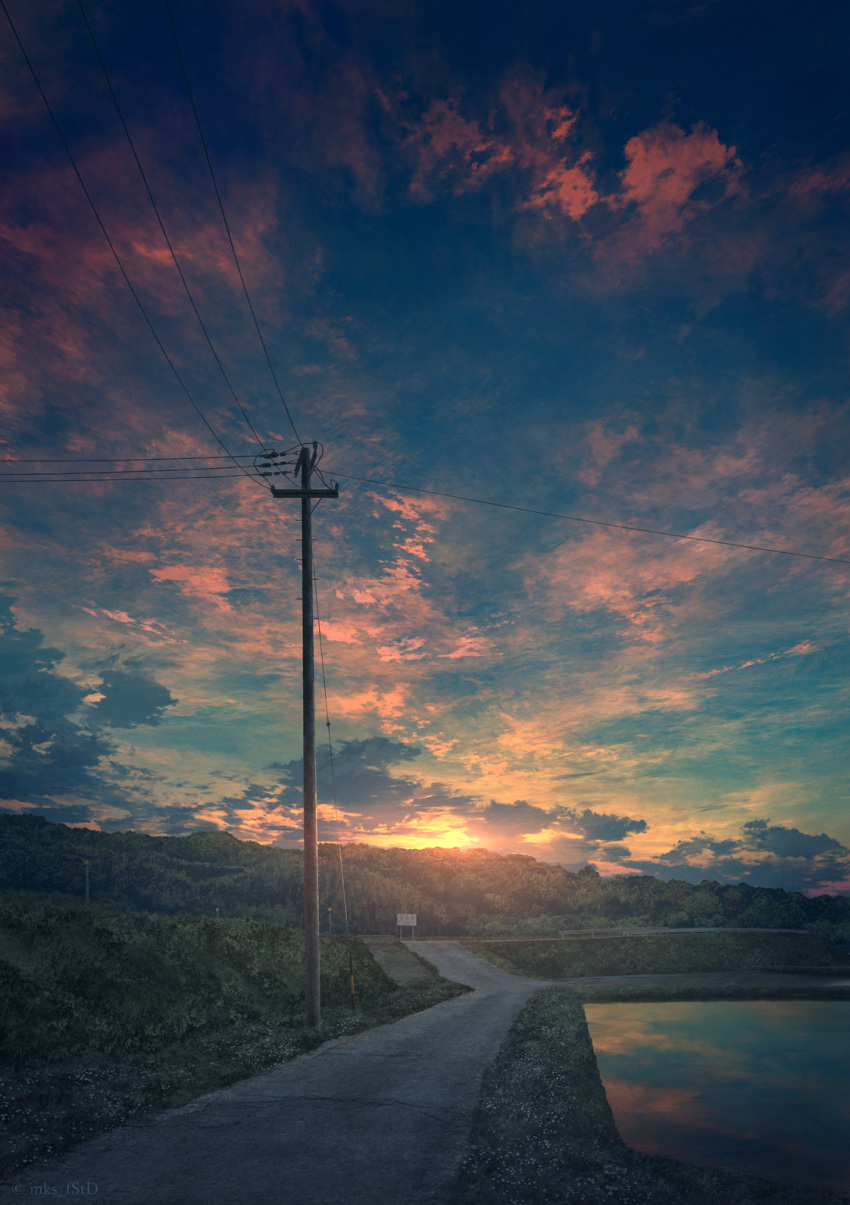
[330, 748]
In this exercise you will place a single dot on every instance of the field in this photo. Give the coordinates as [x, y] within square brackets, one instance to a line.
[664, 954]
[108, 1014]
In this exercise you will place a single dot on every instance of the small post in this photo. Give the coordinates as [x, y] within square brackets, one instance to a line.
[87, 880]
[330, 920]
[216, 914]
[351, 979]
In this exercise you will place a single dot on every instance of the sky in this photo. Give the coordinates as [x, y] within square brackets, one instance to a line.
[589, 259]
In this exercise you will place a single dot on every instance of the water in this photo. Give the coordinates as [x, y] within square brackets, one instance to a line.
[757, 1086]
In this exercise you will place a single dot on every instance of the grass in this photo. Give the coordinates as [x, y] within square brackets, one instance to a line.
[543, 1132]
[662, 954]
[108, 1015]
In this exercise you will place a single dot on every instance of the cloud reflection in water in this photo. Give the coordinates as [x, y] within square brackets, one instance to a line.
[756, 1086]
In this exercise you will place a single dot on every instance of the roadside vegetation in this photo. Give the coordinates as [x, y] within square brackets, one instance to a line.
[458, 893]
[106, 1014]
[543, 1132]
[662, 954]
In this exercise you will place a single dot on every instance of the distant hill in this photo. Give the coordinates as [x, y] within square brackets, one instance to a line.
[453, 892]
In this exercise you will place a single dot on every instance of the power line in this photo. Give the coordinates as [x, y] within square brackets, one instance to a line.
[116, 257]
[162, 225]
[214, 470]
[95, 474]
[112, 459]
[225, 221]
[105, 480]
[673, 535]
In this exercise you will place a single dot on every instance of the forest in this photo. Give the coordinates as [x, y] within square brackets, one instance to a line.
[455, 893]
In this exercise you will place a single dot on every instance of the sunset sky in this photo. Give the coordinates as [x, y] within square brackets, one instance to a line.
[584, 258]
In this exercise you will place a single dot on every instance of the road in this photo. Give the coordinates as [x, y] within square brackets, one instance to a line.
[378, 1118]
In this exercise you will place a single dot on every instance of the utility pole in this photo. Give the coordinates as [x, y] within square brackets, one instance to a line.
[304, 465]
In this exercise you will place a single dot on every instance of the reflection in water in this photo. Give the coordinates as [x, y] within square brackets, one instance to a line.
[756, 1086]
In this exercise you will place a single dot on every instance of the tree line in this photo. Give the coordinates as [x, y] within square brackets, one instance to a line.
[453, 892]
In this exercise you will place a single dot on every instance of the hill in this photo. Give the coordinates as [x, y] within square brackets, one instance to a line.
[454, 892]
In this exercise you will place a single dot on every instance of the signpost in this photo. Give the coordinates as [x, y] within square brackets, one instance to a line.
[403, 919]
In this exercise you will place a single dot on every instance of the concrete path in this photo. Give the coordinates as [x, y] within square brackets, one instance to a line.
[394, 957]
[380, 1118]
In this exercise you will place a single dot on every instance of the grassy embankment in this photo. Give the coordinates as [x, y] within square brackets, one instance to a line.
[107, 1015]
[667, 954]
[543, 1131]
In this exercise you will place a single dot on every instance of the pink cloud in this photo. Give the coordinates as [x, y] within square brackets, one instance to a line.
[405, 649]
[628, 577]
[564, 190]
[203, 581]
[665, 169]
[810, 187]
[842, 887]
[439, 746]
[603, 446]
[448, 144]
[340, 631]
[529, 132]
[387, 703]
[470, 646]
[799, 650]
[142, 627]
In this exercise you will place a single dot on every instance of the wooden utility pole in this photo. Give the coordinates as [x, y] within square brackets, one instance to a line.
[304, 466]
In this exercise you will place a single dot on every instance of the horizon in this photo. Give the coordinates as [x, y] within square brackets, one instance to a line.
[583, 264]
[463, 850]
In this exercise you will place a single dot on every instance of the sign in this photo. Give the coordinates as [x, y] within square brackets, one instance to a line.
[405, 918]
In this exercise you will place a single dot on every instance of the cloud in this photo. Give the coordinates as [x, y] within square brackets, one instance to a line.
[361, 770]
[447, 145]
[378, 803]
[798, 650]
[603, 444]
[515, 817]
[670, 179]
[789, 842]
[764, 855]
[529, 134]
[640, 581]
[602, 826]
[48, 755]
[812, 185]
[131, 698]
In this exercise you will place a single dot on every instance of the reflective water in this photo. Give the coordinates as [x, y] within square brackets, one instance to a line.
[757, 1086]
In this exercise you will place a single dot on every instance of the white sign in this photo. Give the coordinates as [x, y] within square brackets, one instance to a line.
[405, 918]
